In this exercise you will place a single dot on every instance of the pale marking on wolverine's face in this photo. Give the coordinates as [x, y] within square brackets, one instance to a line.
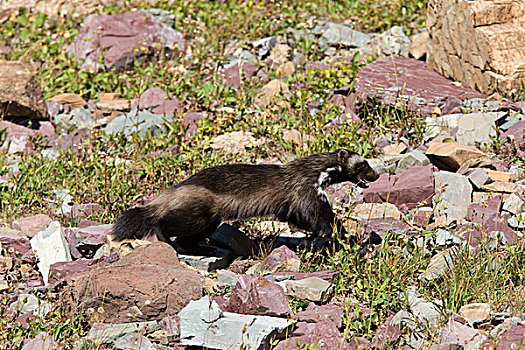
[354, 160]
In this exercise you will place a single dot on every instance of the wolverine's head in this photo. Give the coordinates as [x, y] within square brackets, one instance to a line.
[355, 168]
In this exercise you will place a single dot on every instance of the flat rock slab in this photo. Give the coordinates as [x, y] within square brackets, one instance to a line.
[31, 225]
[477, 127]
[20, 93]
[50, 246]
[322, 335]
[406, 190]
[105, 333]
[121, 39]
[202, 323]
[452, 198]
[311, 289]
[409, 84]
[258, 296]
[147, 284]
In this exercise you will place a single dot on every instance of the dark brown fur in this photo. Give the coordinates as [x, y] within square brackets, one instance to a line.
[293, 192]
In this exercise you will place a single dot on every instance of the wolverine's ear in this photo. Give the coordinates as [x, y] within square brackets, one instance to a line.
[342, 155]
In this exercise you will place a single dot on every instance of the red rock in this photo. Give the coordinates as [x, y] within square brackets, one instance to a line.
[168, 107]
[170, 324]
[149, 278]
[152, 97]
[233, 75]
[14, 239]
[514, 338]
[65, 271]
[516, 131]
[324, 335]
[43, 341]
[257, 296]
[79, 211]
[282, 259]
[411, 85]
[405, 190]
[314, 313]
[386, 334]
[121, 39]
[31, 225]
[89, 239]
[190, 123]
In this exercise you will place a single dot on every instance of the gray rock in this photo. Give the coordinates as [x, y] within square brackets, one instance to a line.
[115, 331]
[414, 158]
[439, 264]
[133, 341]
[311, 289]
[509, 122]
[203, 324]
[78, 118]
[264, 46]
[62, 201]
[513, 204]
[227, 278]
[479, 177]
[28, 303]
[394, 42]
[444, 123]
[164, 16]
[199, 262]
[516, 222]
[477, 127]
[445, 238]
[337, 35]
[452, 198]
[50, 246]
[139, 122]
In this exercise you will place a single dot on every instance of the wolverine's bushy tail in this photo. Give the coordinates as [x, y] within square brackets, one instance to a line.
[134, 223]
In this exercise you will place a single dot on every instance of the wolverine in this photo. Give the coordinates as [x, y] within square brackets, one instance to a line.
[294, 192]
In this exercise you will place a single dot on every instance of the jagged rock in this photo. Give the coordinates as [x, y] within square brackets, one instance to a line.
[322, 335]
[122, 39]
[514, 204]
[501, 176]
[50, 246]
[20, 93]
[108, 333]
[439, 125]
[463, 336]
[475, 312]
[423, 313]
[440, 264]
[227, 278]
[29, 303]
[257, 296]
[409, 84]
[74, 100]
[383, 226]
[139, 122]
[340, 35]
[133, 341]
[411, 159]
[203, 324]
[311, 289]
[479, 43]
[418, 46]
[452, 198]
[393, 42]
[405, 190]
[270, 91]
[31, 225]
[314, 314]
[42, 341]
[236, 73]
[264, 46]
[78, 118]
[453, 156]
[499, 186]
[512, 338]
[14, 239]
[394, 149]
[282, 259]
[67, 270]
[376, 210]
[149, 278]
[233, 142]
[478, 177]
[477, 127]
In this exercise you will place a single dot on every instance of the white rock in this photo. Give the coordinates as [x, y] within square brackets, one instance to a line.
[477, 127]
[203, 324]
[513, 204]
[50, 246]
[452, 198]
[310, 288]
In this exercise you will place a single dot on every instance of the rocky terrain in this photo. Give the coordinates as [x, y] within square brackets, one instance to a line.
[102, 107]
